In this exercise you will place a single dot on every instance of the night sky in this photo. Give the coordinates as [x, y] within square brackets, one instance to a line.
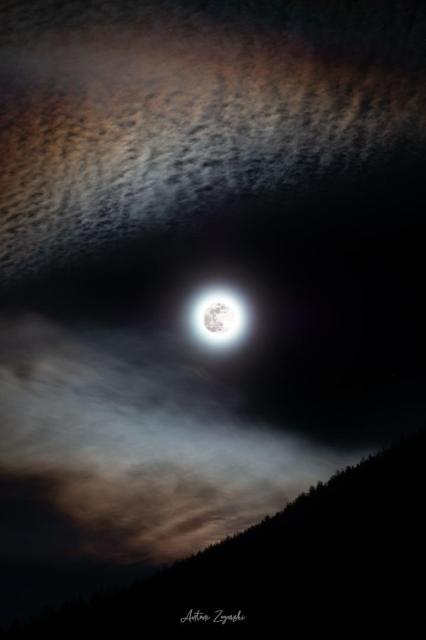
[150, 150]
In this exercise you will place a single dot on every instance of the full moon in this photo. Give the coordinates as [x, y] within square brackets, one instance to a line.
[219, 317]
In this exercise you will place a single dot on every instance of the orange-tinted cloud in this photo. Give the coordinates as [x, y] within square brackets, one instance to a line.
[137, 451]
[110, 130]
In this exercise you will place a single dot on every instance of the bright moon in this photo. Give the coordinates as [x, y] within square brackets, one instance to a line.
[219, 317]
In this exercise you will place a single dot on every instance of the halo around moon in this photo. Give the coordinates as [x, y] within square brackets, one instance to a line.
[219, 317]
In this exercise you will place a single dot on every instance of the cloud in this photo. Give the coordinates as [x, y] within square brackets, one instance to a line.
[115, 123]
[139, 450]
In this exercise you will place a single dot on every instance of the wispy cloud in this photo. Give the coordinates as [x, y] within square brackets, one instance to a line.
[135, 445]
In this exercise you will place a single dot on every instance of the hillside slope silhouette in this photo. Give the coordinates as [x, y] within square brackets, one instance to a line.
[346, 559]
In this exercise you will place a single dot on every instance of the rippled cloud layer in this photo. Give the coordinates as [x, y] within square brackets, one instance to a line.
[117, 125]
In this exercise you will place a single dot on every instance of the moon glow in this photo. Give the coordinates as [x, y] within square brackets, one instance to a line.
[219, 317]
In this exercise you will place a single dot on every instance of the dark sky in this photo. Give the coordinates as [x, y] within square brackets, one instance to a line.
[150, 150]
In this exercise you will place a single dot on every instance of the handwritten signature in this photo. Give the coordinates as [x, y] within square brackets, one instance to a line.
[218, 617]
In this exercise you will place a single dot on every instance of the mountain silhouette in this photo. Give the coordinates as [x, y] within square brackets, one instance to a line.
[346, 559]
